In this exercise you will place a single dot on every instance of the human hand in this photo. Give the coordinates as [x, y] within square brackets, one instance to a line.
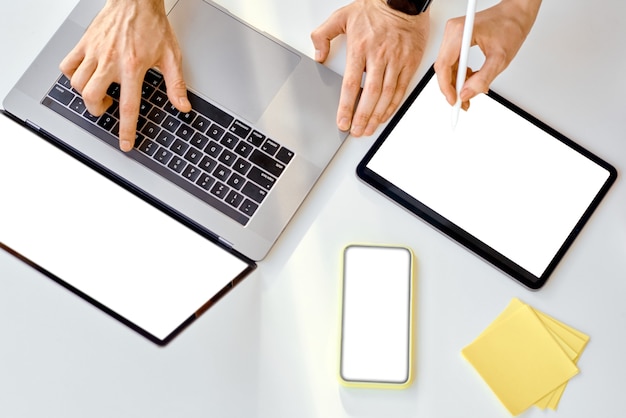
[126, 38]
[385, 44]
[499, 32]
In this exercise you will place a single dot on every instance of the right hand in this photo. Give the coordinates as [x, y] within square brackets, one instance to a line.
[126, 38]
[499, 31]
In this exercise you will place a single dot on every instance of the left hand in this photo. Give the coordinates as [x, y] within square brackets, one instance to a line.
[383, 43]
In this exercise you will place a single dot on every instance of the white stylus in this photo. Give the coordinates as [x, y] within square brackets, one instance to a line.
[466, 43]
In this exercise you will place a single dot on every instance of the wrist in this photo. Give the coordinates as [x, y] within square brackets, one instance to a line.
[155, 5]
[409, 7]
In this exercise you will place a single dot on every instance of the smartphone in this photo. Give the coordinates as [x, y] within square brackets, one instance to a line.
[377, 296]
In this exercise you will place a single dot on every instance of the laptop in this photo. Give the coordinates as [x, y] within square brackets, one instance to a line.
[233, 171]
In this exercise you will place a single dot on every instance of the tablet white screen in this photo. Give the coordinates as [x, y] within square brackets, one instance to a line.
[497, 176]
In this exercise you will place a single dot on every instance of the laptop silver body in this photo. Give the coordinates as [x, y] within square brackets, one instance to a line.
[263, 82]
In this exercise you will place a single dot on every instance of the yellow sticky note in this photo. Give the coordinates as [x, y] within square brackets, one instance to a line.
[574, 341]
[570, 340]
[519, 358]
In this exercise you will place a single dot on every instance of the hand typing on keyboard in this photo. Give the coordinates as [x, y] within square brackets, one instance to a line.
[129, 37]
[386, 45]
[125, 40]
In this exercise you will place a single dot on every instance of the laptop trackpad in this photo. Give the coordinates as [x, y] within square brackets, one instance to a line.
[227, 61]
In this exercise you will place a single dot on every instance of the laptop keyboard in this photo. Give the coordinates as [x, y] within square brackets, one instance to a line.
[208, 152]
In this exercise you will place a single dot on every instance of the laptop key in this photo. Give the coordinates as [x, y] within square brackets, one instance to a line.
[191, 173]
[61, 95]
[215, 132]
[201, 123]
[254, 192]
[222, 172]
[107, 122]
[229, 141]
[207, 164]
[114, 91]
[185, 132]
[177, 164]
[213, 149]
[248, 207]
[159, 98]
[156, 115]
[205, 181]
[240, 129]
[165, 138]
[193, 155]
[227, 157]
[150, 130]
[170, 124]
[208, 110]
[199, 141]
[78, 105]
[153, 78]
[163, 156]
[284, 155]
[261, 178]
[234, 199]
[267, 163]
[242, 166]
[236, 181]
[148, 147]
[256, 138]
[270, 146]
[219, 190]
[179, 147]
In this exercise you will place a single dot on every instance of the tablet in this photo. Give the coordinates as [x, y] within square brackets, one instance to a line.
[501, 183]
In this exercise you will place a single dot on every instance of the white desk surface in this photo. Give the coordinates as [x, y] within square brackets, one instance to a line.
[269, 349]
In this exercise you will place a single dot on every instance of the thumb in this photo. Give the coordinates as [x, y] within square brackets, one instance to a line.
[327, 31]
[480, 80]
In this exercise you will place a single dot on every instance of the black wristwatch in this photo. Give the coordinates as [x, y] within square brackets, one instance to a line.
[410, 7]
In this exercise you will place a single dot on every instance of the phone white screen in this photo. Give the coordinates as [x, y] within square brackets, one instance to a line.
[376, 314]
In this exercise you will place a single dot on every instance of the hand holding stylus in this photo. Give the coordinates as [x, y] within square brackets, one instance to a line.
[499, 32]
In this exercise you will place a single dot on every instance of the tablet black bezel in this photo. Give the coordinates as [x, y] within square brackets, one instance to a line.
[413, 205]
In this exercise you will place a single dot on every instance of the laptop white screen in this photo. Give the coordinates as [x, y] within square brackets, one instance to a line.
[103, 240]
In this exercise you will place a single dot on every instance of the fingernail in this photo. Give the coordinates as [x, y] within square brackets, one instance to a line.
[184, 102]
[344, 124]
[126, 146]
[357, 130]
[318, 55]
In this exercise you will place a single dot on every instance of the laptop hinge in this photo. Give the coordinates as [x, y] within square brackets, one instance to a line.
[226, 243]
[33, 125]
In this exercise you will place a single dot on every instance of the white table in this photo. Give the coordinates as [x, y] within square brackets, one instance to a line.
[270, 348]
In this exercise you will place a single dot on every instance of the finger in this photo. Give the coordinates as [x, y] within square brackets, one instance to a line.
[327, 31]
[384, 102]
[83, 73]
[175, 84]
[130, 100]
[403, 83]
[71, 62]
[95, 94]
[448, 58]
[350, 91]
[480, 80]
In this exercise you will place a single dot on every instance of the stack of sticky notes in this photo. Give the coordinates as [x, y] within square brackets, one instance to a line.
[526, 357]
